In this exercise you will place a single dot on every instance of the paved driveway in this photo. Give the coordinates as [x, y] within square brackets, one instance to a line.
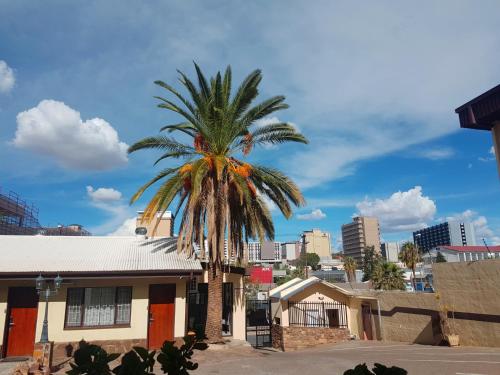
[335, 359]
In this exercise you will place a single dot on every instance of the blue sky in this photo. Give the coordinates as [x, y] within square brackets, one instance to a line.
[372, 85]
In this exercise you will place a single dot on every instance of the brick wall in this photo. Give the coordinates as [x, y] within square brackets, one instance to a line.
[293, 338]
[62, 349]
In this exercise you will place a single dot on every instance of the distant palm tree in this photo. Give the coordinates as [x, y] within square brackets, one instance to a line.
[350, 268]
[220, 195]
[410, 256]
[388, 276]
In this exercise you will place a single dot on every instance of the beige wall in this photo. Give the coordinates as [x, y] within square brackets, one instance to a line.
[407, 317]
[471, 289]
[165, 227]
[139, 310]
[318, 242]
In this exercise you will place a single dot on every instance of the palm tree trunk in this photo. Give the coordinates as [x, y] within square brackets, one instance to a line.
[414, 281]
[213, 328]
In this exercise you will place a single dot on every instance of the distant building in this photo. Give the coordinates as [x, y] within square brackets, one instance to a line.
[362, 232]
[450, 233]
[16, 216]
[266, 251]
[462, 253]
[290, 250]
[165, 226]
[390, 251]
[317, 242]
[68, 230]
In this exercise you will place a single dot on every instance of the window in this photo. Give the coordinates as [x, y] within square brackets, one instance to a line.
[94, 307]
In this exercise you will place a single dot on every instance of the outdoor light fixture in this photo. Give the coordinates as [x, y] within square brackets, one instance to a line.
[43, 289]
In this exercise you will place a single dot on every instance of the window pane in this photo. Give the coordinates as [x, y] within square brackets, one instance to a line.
[107, 306]
[74, 305]
[92, 305]
[123, 301]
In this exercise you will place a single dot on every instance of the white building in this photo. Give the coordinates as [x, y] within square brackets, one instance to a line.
[462, 253]
[267, 251]
[290, 250]
[390, 251]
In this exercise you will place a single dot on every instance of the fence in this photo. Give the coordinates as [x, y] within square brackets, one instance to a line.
[317, 314]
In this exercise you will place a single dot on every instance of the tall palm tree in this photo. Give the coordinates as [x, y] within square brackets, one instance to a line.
[410, 256]
[350, 268]
[388, 276]
[220, 195]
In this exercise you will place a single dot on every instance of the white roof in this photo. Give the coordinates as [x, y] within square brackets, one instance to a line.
[61, 254]
[275, 292]
[304, 284]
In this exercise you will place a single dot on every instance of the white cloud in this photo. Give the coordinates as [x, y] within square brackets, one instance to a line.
[488, 158]
[103, 194]
[108, 201]
[315, 214]
[437, 154]
[481, 226]
[7, 78]
[126, 229]
[492, 150]
[402, 211]
[58, 131]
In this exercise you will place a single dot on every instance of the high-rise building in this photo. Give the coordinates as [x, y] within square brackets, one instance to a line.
[449, 233]
[390, 251]
[362, 232]
[266, 251]
[290, 250]
[317, 242]
[165, 226]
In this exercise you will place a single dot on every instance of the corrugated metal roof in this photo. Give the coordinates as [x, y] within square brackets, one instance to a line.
[275, 292]
[304, 284]
[461, 249]
[29, 254]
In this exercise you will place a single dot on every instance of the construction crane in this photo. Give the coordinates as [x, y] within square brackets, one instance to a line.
[490, 254]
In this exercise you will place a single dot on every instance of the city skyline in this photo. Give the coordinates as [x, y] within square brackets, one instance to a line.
[386, 145]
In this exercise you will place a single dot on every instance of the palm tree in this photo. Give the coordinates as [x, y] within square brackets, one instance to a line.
[220, 195]
[350, 268]
[388, 276]
[410, 256]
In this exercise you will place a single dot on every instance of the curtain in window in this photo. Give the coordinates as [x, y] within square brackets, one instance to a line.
[74, 307]
[92, 306]
[107, 306]
[123, 299]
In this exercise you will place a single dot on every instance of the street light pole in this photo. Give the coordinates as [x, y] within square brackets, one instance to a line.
[43, 287]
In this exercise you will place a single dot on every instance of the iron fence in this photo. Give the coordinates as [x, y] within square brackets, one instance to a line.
[317, 314]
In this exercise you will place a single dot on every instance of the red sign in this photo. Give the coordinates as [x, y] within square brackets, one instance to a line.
[261, 275]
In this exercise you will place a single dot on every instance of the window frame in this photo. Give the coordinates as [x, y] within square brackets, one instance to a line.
[82, 309]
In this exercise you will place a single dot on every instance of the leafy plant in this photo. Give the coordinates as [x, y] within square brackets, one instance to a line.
[388, 276]
[370, 260]
[177, 361]
[91, 360]
[378, 369]
[440, 258]
[136, 362]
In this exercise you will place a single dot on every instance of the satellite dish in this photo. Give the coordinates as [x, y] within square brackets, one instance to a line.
[142, 231]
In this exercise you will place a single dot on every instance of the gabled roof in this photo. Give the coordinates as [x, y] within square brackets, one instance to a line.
[467, 249]
[276, 292]
[304, 284]
[94, 254]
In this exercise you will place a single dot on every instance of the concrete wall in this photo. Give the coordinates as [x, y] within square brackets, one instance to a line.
[471, 290]
[408, 317]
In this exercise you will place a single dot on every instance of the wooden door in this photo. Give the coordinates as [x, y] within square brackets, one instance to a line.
[367, 322]
[22, 311]
[161, 314]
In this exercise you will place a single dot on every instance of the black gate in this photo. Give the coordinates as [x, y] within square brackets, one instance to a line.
[258, 321]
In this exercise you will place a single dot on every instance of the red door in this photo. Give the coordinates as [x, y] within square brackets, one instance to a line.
[367, 322]
[22, 310]
[161, 314]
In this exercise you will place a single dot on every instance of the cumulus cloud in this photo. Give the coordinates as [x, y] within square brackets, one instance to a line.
[486, 159]
[103, 194]
[7, 78]
[437, 154]
[58, 131]
[127, 228]
[481, 226]
[492, 150]
[109, 202]
[315, 214]
[402, 211]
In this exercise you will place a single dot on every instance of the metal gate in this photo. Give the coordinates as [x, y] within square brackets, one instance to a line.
[258, 322]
